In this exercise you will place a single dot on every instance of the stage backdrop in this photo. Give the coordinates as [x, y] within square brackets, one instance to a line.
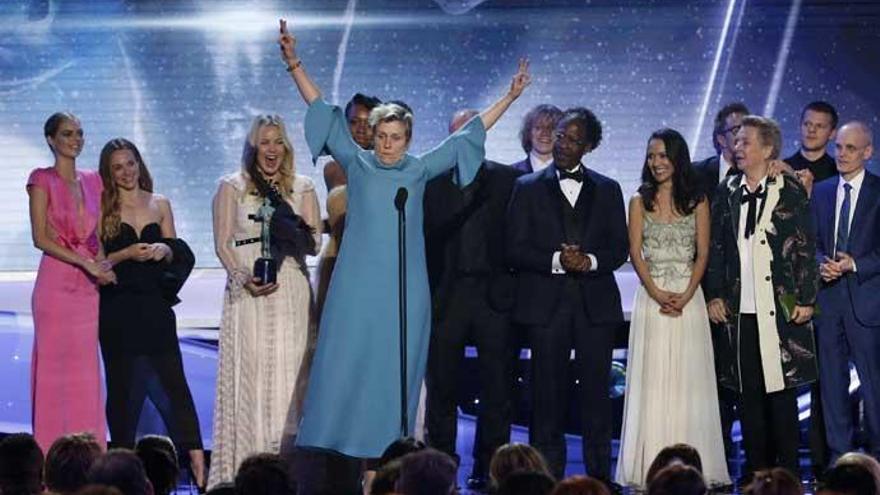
[183, 79]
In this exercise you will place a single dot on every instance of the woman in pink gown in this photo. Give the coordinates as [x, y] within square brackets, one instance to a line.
[65, 205]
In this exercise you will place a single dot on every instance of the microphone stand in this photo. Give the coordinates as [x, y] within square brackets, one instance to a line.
[400, 203]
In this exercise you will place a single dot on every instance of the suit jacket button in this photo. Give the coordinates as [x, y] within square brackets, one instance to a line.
[763, 241]
[767, 278]
[772, 313]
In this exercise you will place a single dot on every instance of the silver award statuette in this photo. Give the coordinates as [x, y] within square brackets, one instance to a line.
[265, 267]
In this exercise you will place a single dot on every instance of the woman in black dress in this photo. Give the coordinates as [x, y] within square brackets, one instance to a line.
[138, 330]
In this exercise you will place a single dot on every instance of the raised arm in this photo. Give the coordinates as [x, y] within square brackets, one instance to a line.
[307, 88]
[520, 80]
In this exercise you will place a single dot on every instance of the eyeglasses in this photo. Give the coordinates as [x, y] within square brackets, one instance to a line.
[732, 129]
[562, 137]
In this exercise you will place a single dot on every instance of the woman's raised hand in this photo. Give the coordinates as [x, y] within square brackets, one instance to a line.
[521, 79]
[287, 42]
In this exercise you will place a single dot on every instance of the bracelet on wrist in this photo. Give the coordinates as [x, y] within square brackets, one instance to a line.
[296, 65]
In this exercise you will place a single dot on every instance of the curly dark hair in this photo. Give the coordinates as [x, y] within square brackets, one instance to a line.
[586, 118]
[686, 190]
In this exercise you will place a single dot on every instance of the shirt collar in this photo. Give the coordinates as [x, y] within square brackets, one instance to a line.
[762, 184]
[855, 182]
[558, 174]
[537, 162]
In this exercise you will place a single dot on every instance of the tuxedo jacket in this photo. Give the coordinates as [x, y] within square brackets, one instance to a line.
[707, 172]
[864, 245]
[535, 231]
[446, 214]
[524, 166]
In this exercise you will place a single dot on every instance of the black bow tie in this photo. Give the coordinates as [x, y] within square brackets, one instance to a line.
[576, 175]
[752, 213]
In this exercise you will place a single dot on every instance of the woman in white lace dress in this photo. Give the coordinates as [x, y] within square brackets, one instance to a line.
[266, 329]
[671, 395]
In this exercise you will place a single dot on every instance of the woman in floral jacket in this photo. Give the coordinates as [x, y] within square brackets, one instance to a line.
[761, 285]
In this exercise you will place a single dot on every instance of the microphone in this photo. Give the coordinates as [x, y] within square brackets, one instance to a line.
[400, 198]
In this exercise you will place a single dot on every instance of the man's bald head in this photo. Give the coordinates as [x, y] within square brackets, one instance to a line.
[461, 118]
[854, 145]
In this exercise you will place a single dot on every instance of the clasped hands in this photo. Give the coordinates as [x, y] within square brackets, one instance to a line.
[101, 270]
[142, 251]
[671, 303]
[832, 269]
[573, 259]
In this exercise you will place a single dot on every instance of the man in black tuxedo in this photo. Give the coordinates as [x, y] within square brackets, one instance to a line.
[713, 170]
[566, 234]
[472, 294]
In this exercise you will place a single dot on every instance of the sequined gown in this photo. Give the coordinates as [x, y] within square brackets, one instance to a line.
[671, 395]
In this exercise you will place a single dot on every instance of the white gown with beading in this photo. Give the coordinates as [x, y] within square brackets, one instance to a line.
[671, 393]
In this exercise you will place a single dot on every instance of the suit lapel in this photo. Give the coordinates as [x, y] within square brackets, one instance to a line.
[734, 199]
[867, 197]
[585, 201]
[773, 188]
[554, 193]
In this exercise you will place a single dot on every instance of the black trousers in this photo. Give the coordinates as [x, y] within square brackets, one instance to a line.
[769, 421]
[467, 316]
[133, 378]
[551, 345]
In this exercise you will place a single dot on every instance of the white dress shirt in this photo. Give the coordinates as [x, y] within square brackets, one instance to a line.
[856, 184]
[746, 269]
[571, 189]
[537, 162]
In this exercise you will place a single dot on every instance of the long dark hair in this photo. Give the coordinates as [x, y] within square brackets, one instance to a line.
[686, 191]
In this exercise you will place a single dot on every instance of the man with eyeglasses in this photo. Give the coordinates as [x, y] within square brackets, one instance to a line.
[713, 170]
[846, 213]
[566, 234]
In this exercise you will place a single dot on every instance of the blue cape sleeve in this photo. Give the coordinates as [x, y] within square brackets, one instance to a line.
[327, 133]
[464, 149]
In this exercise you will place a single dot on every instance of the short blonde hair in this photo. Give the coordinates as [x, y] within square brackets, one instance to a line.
[392, 112]
[768, 132]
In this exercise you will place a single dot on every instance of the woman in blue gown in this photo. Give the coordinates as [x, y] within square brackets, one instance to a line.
[353, 402]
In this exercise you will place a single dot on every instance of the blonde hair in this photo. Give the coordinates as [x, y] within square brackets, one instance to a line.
[392, 112]
[768, 132]
[249, 167]
[111, 220]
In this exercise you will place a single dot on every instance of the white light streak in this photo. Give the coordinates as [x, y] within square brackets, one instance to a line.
[713, 74]
[348, 19]
[782, 58]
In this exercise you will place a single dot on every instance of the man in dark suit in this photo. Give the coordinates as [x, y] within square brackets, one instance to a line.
[847, 218]
[472, 294]
[536, 137]
[713, 170]
[566, 234]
